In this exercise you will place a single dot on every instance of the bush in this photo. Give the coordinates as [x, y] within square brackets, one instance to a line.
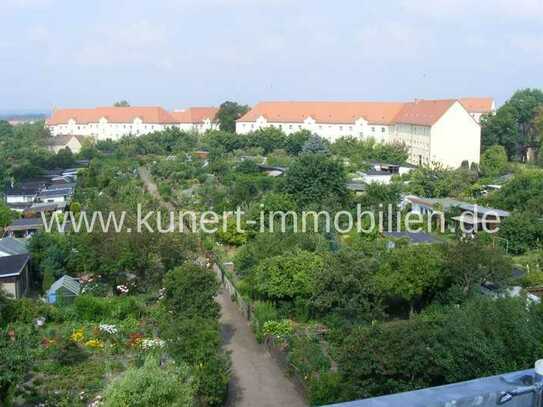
[307, 356]
[278, 329]
[89, 308]
[325, 389]
[27, 310]
[190, 291]
[151, 385]
[264, 312]
[69, 353]
[212, 378]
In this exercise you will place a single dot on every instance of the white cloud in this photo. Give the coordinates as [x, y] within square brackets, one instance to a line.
[139, 43]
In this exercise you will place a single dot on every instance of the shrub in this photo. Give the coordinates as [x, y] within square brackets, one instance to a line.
[151, 385]
[325, 389]
[307, 356]
[212, 378]
[190, 291]
[69, 353]
[89, 308]
[264, 312]
[278, 329]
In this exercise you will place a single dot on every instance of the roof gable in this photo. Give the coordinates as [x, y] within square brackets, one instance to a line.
[67, 282]
[13, 265]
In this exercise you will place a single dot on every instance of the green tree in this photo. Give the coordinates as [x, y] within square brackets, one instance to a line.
[411, 273]
[190, 290]
[494, 161]
[121, 103]
[316, 145]
[228, 113]
[314, 180]
[268, 139]
[345, 287]
[6, 215]
[501, 129]
[513, 125]
[296, 141]
[523, 231]
[470, 263]
[288, 277]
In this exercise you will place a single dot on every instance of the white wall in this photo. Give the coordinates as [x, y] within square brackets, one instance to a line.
[73, 144]
[13, 199]
[9, 288]
[330, 131]
[417, 140]
[104, 130]
[456, 137]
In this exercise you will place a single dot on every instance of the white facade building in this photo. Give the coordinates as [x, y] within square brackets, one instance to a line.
[112, 123]
[441, 131]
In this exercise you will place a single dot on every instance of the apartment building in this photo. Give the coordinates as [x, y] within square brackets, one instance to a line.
[113, 123]
[440, 131]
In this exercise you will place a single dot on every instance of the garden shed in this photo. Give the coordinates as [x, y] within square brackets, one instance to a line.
[63, 291]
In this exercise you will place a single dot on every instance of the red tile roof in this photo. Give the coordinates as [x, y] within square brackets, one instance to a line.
[154, 115]
[325, 112]
[478, 104]
[423, 112]
[195, 114]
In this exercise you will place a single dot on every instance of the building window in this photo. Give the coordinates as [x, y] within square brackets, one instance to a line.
[340, 128]
[290, 126]
[373, 129]
[382, 129]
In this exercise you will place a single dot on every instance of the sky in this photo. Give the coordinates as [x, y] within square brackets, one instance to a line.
[180, 53]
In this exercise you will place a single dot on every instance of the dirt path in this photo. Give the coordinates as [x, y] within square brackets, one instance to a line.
[256, 379]
[152, 188]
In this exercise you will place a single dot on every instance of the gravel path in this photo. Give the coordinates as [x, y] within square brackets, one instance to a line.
[257, 381]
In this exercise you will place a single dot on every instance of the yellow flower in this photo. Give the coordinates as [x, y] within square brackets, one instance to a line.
[78, 336]
[95, 344]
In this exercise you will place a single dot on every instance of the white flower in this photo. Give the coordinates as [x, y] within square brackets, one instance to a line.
[148, 344]
[123, 289]
[110, 329]
[40, 322]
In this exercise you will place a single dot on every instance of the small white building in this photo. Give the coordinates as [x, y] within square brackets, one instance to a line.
[70, 142]
[440, 131]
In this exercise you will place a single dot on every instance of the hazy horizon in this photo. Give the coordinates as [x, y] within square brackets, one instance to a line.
[180, 53]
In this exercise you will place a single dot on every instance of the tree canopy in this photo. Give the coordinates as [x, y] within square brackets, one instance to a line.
[228, 113]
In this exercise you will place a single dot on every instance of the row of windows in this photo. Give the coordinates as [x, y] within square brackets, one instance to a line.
[321, 127]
